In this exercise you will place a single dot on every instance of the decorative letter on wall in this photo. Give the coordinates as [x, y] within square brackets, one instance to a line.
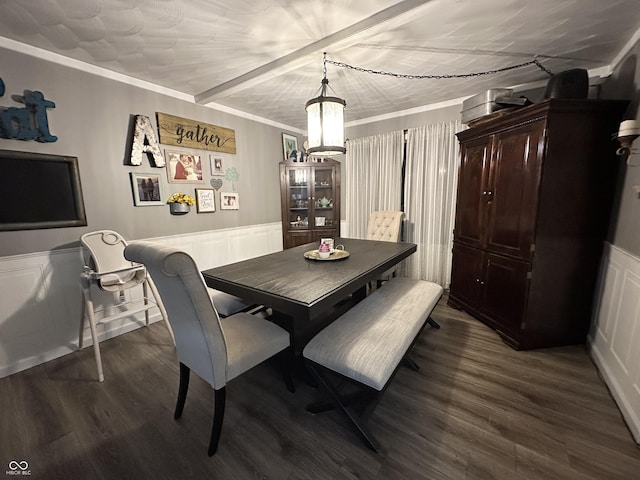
[29, 122]
[183, 132]
[144, 141]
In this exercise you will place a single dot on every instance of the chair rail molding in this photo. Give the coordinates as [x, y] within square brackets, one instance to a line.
[614, 338]
[41, 296]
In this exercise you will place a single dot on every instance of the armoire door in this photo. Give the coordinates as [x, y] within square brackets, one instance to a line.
[472, 180]
[505, 293]
[512, 197]
[467, 280]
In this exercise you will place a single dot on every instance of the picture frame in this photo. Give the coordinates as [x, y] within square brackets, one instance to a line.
[289, 144]
[229, 201]
[147, 189]
[216, 163]
[205, 200]
[183, 167]
[320, 221]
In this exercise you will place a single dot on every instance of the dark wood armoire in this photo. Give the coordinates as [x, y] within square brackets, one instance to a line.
[535, 193]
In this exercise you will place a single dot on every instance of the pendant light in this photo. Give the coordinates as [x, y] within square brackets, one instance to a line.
[325, 120]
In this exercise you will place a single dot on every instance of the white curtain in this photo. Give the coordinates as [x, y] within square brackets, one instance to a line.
[430, 197]
[373, 178]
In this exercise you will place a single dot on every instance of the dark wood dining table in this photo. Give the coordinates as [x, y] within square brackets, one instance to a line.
[305, 295]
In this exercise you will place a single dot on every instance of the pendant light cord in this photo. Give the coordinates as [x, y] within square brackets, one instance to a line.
[435, 77]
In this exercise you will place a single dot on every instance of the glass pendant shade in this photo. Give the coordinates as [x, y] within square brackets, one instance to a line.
[325, 124]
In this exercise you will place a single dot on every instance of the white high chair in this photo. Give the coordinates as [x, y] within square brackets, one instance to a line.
[110, 271]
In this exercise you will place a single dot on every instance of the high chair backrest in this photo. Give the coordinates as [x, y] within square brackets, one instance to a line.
[106, 248]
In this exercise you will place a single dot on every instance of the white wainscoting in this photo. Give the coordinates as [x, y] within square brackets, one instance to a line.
[41, 300]
[614, 339]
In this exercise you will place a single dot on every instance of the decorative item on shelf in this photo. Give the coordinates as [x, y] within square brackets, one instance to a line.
[324, 202]
[180, 203]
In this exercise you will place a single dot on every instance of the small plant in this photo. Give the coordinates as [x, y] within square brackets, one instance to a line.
[181, 198]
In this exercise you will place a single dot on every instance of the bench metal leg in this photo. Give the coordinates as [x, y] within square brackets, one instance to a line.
[408, 361]
[433, 323]
[367, 437]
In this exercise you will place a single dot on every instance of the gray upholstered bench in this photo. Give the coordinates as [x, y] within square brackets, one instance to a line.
[368, 343]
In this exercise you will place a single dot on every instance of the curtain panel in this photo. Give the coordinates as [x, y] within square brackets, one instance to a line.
[430, 199]
[373, 178]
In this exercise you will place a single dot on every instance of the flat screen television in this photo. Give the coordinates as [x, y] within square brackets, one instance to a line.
[40, 191]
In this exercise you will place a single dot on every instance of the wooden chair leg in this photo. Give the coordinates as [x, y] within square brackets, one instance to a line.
[182, 390]
[218, 416]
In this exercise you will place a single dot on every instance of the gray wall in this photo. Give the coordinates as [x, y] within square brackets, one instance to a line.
[625, 227]
[92, 122]
[403, 122]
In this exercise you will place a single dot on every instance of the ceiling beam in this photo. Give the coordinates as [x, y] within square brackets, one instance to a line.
[397, 14]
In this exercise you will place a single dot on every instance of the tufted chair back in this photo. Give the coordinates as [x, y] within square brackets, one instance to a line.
[385, 225]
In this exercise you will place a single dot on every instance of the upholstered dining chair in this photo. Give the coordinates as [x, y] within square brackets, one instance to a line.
[385, 225]
[107, 269]
[216, 349]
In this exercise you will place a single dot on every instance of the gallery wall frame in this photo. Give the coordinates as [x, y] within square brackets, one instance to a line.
[205, 200]
[216, 163]
[183, 167]
[229, 201]
[289, 144]
[147, 189]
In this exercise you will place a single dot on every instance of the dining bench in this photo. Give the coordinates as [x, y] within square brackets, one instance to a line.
[367, 344]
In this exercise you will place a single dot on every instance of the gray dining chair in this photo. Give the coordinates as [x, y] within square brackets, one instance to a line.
[216, 349]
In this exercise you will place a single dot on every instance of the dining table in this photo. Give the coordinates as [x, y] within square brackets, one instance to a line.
[304, 292]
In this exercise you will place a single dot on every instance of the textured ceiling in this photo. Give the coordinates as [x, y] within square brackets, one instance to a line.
[264, 57]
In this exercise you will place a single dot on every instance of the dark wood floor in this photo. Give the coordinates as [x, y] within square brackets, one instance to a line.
[475, 410]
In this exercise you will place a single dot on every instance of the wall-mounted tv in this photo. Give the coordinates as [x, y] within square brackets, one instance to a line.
[39, 191]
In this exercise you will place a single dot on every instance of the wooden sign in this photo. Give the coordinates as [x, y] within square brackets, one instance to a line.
[183, 132]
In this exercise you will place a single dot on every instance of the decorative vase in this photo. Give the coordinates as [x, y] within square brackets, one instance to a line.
[179, 208]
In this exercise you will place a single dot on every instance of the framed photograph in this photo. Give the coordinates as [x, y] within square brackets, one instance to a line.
[320, 221]
[205, 200]
[216, 165]
[147, 189]
[229, 201]
[183, 167]
[289, 145]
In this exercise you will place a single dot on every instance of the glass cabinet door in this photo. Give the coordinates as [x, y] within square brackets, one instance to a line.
[323, 198]
[299, 197]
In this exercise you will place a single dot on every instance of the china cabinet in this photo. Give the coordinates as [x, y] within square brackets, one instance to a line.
[535, 191]
[310, 199]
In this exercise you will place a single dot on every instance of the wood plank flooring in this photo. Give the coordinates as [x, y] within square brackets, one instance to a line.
[476, 410]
